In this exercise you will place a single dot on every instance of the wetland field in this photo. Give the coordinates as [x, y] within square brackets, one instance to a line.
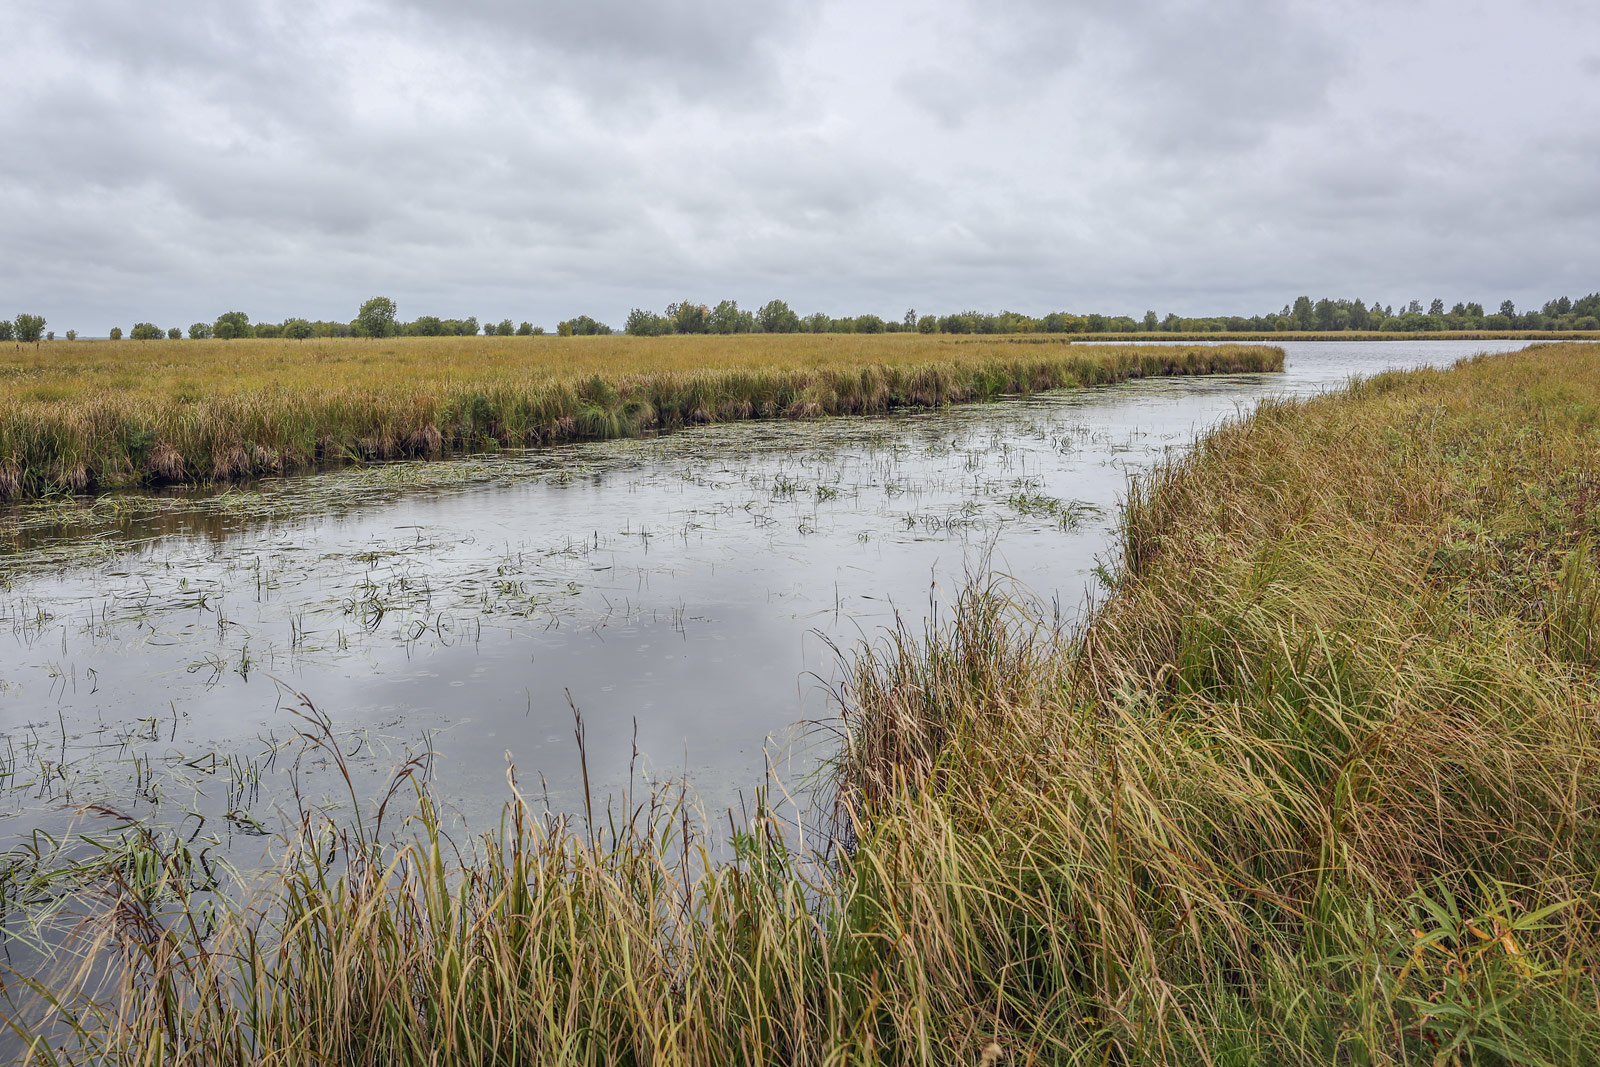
[92, 416]
[1178, 704]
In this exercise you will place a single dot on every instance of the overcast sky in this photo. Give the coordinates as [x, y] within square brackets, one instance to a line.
[538, 159]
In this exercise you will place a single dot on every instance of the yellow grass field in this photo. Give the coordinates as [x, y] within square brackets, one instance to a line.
[91, 415]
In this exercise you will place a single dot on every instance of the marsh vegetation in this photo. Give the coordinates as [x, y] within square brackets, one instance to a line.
[79, 417]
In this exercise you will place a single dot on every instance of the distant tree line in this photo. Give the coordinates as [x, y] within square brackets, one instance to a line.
[379, 317]
[1304, 314]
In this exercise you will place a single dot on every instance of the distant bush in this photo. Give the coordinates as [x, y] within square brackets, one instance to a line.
[174, 334]
[72, 335]
[525, 330]
[116, 333]
[200, 331]
[297, 329]
[145, 331]
[8, 332]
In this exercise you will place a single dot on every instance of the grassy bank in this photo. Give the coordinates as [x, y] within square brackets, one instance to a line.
[1233, 336]
[87, 416]
[1318, 784]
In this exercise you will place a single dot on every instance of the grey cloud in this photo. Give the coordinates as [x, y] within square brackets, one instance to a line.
[293, 157]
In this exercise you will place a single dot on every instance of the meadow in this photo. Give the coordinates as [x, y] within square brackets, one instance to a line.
[89, 416]
[1316, 784]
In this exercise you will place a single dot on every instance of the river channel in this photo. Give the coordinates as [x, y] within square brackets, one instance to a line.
[686, 593]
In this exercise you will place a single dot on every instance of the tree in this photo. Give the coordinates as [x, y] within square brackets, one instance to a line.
[688, 318]
[909, 320]
[775, 317]
[1303, 313]
[525, 330]
[868, 324]
[29, 328]
[642, 323]
[1437, 307]
[467, 327]
[50, 336]
[8, 332]
[582, 326]
[174, 334]
[72, 335]
[377, 318]
[200, 331]
[145, 331]
[297, 329]
[505, 329]
[1508, 309]
[724, 318]
[231, 325]
[116, 333]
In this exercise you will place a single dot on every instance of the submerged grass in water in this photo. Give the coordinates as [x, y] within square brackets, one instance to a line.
[1315, 786]
[91, 416]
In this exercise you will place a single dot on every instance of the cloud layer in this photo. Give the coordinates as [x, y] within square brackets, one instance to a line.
[536, 160]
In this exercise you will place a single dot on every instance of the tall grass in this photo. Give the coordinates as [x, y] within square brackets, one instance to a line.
[1317, 784]
[91, 416]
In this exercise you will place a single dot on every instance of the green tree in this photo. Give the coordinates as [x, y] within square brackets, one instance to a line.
[1303, 313]
[28, 328]
[776, 317]
[582, 326]
[116, 333]
[525, 330]
[928, 324]
[467, 327]
[642, 323]
[231, 325]
[200, 331]
[505, 329]
[145, 331]
[377, 317]
[174, 334]
[8, 332]
[869, 324]
[724, 318]
[687, 317]
[72, 335]
[909, 319]
[297, 329]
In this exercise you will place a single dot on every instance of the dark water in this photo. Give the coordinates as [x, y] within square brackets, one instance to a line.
[684, 589]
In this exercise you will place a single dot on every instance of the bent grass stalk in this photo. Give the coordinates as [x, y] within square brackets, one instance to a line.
[1316, 785]
[97, 416]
